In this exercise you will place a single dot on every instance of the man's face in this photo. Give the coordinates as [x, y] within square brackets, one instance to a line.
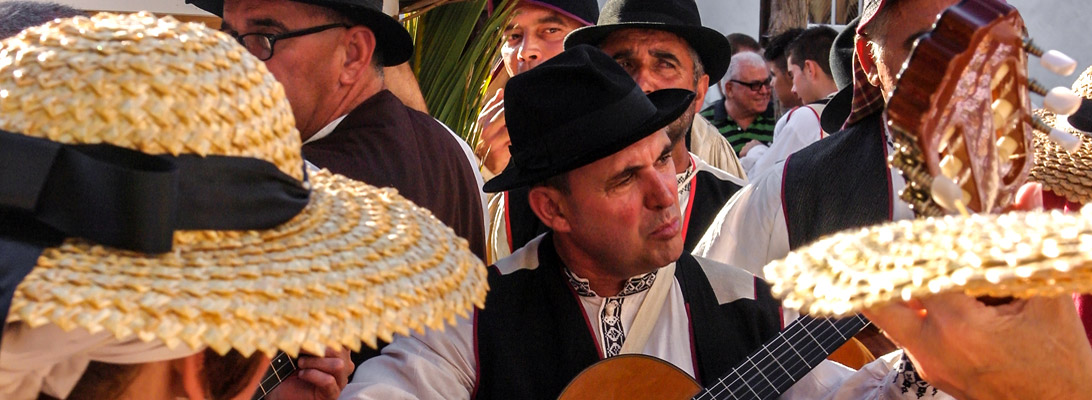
[302, 64]
[782, 86]
[752, 101]
[894, 39]
[535, 34]
[659, 60]
[622, 210]
[801, 83]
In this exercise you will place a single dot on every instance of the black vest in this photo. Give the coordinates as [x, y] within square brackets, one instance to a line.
[711, 193]
[837, 183]
[532, 339]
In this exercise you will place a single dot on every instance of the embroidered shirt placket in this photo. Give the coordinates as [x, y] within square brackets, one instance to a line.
[610, 313]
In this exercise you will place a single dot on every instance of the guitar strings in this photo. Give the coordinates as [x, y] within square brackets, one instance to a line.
[789, 336]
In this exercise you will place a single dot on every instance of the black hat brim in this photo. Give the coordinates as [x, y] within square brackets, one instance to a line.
[713, 48]
[392, 39]
[837, 110]
[670, 105]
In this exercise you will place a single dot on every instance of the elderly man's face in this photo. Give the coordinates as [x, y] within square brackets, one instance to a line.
[535, 34]
[659, 60]
[892, 41]
[623, 209]
[751, 101]
[302, 64]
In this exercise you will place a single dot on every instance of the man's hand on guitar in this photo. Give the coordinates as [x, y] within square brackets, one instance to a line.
[1027, 348]
[317, 378]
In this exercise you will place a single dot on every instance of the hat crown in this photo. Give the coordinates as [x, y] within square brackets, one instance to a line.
[587, 11]
[671, 12]
[153, 85]
[587, 79]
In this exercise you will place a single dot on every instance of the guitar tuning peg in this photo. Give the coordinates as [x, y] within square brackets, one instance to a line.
[1062, 101]
[946, 193]
[1053, 60]
[1063, 139]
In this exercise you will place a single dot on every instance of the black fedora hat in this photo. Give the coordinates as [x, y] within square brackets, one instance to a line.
[841, 69]
[392, 40]
[574, 109]
[676, 16]
[584, 11]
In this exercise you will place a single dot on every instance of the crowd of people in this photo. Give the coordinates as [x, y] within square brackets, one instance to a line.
[618, 212]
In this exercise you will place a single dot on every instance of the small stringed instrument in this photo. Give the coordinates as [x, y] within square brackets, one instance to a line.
[280, 368]
[765, 374]
[960, 113]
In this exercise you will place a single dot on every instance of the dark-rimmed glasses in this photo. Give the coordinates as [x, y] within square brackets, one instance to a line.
[756, 85]
[261, 44]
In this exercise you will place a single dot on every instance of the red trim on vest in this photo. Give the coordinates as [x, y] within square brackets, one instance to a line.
[690, 203]
[595, 338]
[693, 347]
[784, 205]
[507, 222]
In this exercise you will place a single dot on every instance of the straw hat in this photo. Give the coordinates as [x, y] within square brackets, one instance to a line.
[1013, 254]
[355, 264]
[1064, 173]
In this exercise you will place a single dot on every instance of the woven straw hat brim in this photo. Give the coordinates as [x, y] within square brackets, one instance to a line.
[359, 263]
[1062, 172]
[1015, 254]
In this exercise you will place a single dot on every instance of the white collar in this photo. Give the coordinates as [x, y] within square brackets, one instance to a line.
[326, 130]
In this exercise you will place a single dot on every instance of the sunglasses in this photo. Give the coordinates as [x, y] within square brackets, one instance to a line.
[756, 85]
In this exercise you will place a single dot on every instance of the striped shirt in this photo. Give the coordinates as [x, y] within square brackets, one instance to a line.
[761, 128]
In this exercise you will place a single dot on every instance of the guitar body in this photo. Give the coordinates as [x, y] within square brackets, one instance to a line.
[961, 109]
[631, 376]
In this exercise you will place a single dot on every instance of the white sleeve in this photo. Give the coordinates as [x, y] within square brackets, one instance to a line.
[801, 128]
[433, 365]
[882, 379]
[749, 231]
[753, 155]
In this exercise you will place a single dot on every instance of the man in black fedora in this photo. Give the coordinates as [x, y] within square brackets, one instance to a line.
[663, 45]
[329, 55]
[609, 277]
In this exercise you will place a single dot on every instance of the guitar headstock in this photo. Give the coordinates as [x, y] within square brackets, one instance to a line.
[961, 115]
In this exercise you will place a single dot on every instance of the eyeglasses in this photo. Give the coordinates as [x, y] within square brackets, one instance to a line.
[261, 44]
[756, 85]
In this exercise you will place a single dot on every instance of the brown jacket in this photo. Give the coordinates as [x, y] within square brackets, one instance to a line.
[384, 143]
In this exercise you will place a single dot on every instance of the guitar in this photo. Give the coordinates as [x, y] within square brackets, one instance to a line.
[960, 112]
[765, 374]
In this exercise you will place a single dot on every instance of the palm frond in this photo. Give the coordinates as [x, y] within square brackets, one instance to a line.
[456, 49]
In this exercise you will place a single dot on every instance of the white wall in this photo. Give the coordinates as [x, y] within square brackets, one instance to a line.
[159, 6]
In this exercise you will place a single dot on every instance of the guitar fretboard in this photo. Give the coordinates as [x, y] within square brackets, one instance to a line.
[280, 367]
[786, 358]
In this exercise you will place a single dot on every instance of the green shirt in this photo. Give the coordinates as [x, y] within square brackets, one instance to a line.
[761, 129]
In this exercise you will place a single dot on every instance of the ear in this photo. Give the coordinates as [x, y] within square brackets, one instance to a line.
[699, 92]
[550, 207]
[868, 64]
[188, 371]
[359, 46]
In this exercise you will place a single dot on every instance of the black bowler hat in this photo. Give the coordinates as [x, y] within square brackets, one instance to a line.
[392, 40]
[574, 109]
[584, 11]
[676, 16]
[841, 69]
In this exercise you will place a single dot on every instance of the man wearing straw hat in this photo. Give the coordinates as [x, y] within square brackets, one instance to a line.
[149, 253]
[609, 278]
[330, 54]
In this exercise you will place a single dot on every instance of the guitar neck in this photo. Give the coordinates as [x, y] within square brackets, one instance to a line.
[280, 367]
[783, 360]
